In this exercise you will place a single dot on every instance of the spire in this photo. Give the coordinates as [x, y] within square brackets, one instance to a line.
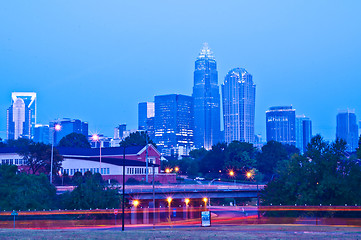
[206, 52]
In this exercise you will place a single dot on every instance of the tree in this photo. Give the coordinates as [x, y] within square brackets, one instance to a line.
[137, 138]
[213, 161]
[38, 157]
[91, 192]
[322, 176]
[76, 140]
[240, 156]
[272, 153]
[21, 191]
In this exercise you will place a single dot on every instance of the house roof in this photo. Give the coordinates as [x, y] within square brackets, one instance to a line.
[112, 151]
[114, 161]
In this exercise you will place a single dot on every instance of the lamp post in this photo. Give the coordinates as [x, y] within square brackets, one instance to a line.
[153, 194]
[96, 138]
[205, 200]
[187, 200]
[251, 175]
[232, 174]
[57, 127]
[123, 187]
[169, 200]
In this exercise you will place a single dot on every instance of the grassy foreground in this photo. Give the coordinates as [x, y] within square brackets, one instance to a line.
[226, 232]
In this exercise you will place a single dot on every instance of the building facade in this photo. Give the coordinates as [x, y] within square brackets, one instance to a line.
[303, 132]
[239, 98]
[41, 133]
[146, 112]
[280, 125]
[67, 126]
[347, 129]
[173, 122]
[206, 99]
[21, 115]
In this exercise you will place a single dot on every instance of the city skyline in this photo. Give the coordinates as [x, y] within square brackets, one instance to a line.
[100, 69]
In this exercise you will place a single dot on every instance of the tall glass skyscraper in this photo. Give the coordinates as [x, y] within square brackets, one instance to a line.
[173, 123]
[280, 125]
[347, 129]
[303, 132]
[21, 115]
[68, 126]
[239, 97]
[206, 99]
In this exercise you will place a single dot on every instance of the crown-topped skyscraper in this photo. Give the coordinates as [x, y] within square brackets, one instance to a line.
[206, 100]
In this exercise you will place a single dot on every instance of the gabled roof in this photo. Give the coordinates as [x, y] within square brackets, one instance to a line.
[111, 151]
[114, 161]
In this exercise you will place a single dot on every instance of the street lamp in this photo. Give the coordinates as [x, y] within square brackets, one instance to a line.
[57, 127]
[205, 200]
[169, 200]
[187, 200]
[135, 203]
[96, 138]
[250, 175]
[176, 169]
[232, 174]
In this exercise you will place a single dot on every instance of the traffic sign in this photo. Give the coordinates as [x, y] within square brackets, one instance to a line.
[14, 213]
[206, 219]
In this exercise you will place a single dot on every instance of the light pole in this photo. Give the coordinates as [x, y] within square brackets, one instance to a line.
[146, 157]
[251, 175]
[96, 138]
[123, 187]
[153, 194]
[232, 174]
[57, 127]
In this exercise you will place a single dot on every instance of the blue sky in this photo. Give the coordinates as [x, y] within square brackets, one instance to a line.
[95, 60]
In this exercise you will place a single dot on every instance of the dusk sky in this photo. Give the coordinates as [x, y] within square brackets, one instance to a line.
[95, 60]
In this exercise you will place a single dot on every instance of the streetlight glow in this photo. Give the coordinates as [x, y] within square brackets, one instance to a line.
[95, 137]
[176, 169]
[205, 200]
[231, 173]
[57, 127]
[169, 200]
[167, 170]
[135, 203]
[187, 201]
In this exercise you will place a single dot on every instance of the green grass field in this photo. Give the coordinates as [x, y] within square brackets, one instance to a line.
[226, 232]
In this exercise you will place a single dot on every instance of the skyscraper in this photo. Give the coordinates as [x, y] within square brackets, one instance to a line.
[206, 99]
[303, 132]
[67, 126]
[146, 113]
[41, 133]
[173, 122]
[347, 129]
[239, 95]
[21, 115]
[280, 125]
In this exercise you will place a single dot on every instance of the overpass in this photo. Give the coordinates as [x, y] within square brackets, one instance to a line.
[145, 192]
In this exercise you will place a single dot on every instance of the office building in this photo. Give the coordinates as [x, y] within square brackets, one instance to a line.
[173, 123]
[206, 99]
[239, 97]
[280, 125]
[303, 132]
[146, 113]
[21, 115]
[347, 129]
[119, 131]
[67, 126]
[41, 133]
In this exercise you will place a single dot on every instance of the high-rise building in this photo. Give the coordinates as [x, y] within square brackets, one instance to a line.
[280, 125]
[67, 126]
[173, 122]
[21, 115]
[347, 129]
[303, 132]
[145, 111]
[239, 97]
[206, 99]
[41, 133]
[119, 131]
